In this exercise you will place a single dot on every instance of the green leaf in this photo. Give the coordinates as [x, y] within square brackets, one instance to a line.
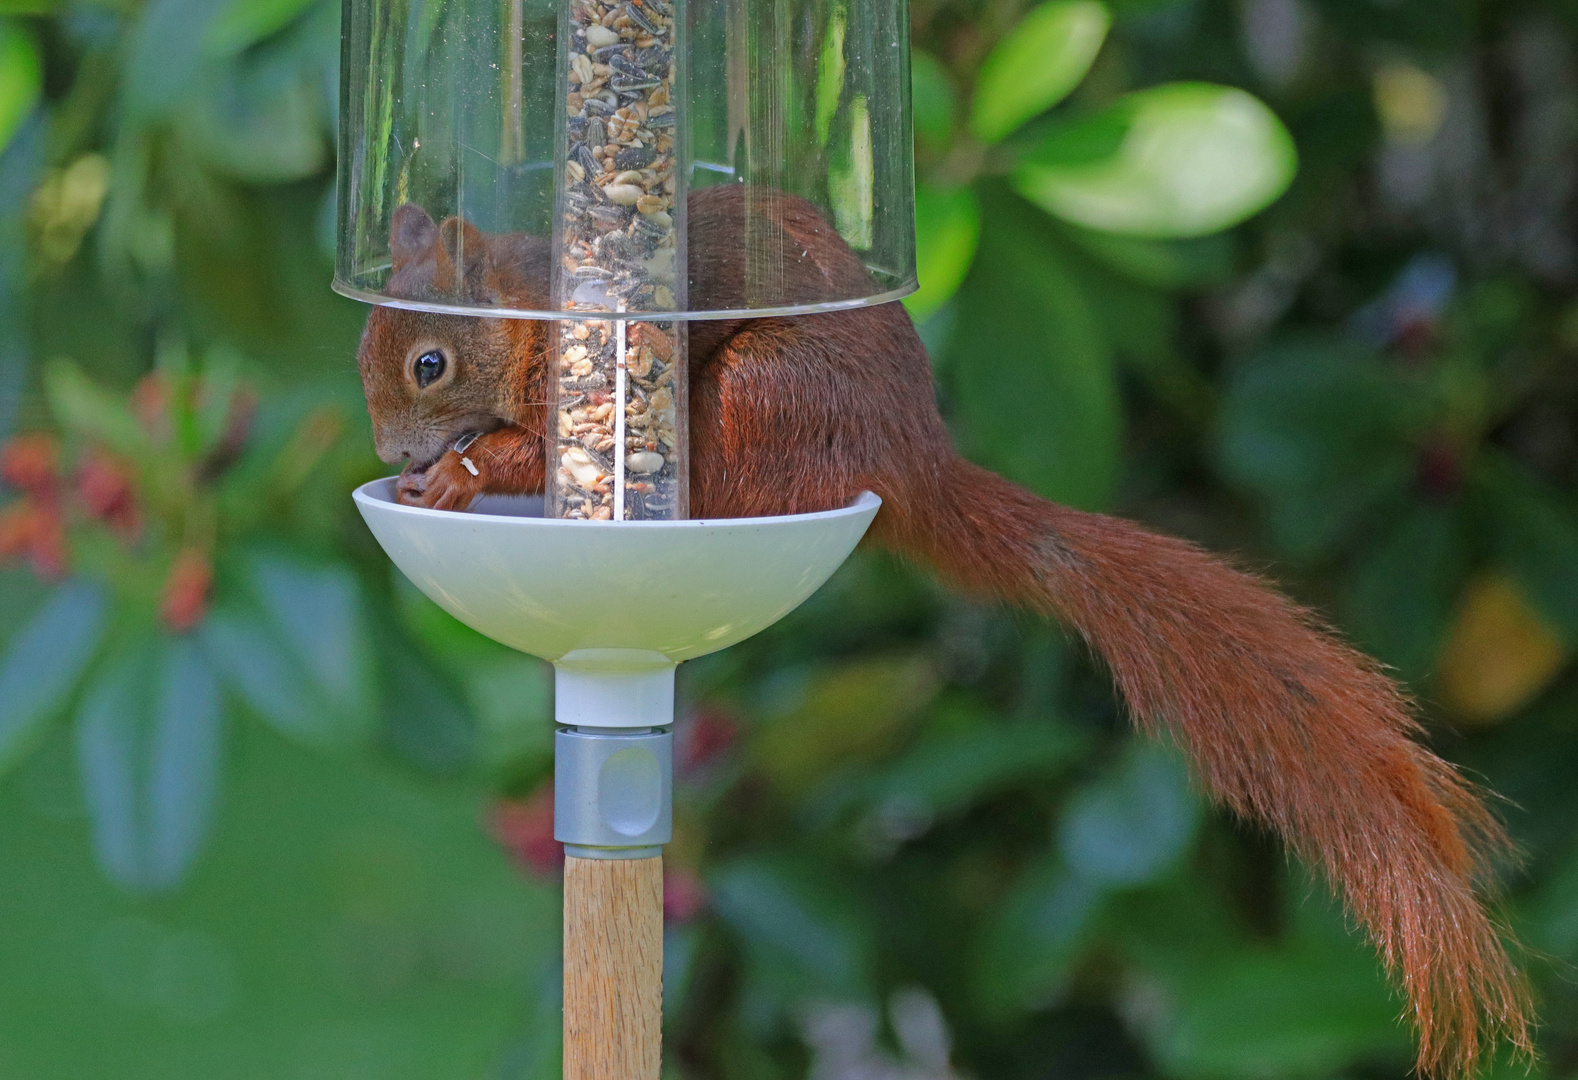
[509, 695]
[947, 229]
[88, 410]
[796, 921]
[163, 57]
[1034, 380]
[1535, 532]
[1402, 590]
[1033, 939]
[148, 751]
[21, 77]
[186, 754]
[104, 761]
[242, 23]
[1184, 159]
[1194, 263]
[1036, 65]
[933, 97]
[1176, 925]
[22, 159]
[301, 657]
[830, 75]
[681, 947]
[511, 701]
[1550, 914]
[947, 773]
[1141, 322]
[846, 712]
[851, 176]
[1306, 1008]
[1260, 1014]
[318, 609]
[43, 663]
[261, 120]
[213, 412]
[1134, 824]
[1320, 431]
[427, 721]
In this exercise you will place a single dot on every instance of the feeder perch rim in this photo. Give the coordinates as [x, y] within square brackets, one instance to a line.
[380, 300]
[673, 590]
[382, 492]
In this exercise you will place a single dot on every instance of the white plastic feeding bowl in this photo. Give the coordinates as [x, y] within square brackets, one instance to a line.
[614, 605]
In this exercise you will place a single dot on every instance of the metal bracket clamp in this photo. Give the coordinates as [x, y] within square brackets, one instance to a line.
[613, 792]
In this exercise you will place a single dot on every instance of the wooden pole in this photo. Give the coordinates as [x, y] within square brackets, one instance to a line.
[613, 968]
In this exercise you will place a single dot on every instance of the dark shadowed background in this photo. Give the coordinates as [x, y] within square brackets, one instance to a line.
[267, 813]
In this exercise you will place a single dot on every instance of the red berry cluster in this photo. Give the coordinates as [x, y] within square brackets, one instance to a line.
[101, 491]
[32, 528]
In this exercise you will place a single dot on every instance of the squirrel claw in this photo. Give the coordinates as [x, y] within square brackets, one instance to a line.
[410, 485]
[445, 485]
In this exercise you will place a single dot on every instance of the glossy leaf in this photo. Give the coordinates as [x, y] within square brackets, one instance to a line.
[164, 57]
[947, 229]
[22, 159]
[1036, 65]
[1180, 160]
[148, 749]
[1501, 653]
[511, 705]
[301, 658]
[186, 753]
[1320, 432]
[933, 97]
[1036, 391]
[945, 774]
[1314, 1000]
[1552, 910]
[242, 23]
[21, 76]
[318, 612]
[43, 662]
[842, 714]
[1535, 532]
[1132, 825]
[1404, 585]
[80, 405]
[262, 120]
[1193, 263]
[1032, 941]
[797, 921]
[830, 74]
[428, 721]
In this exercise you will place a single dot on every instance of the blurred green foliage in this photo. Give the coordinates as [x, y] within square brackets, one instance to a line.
[268, 812]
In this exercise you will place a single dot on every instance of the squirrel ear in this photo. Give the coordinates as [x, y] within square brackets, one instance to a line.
[411, 234]
[465, 247]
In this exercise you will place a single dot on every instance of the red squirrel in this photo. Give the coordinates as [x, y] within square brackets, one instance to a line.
[1282, 721]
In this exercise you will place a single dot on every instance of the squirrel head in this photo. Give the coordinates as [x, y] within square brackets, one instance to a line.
[432, 378]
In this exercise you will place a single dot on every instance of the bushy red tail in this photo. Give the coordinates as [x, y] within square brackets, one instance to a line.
[1283, 722]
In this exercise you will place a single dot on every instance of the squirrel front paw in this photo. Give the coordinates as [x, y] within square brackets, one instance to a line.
[444, 485]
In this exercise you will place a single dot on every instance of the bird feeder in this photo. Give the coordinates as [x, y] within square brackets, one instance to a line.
[632, 160]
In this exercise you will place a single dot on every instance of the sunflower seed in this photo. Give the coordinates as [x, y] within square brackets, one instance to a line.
[641, 20]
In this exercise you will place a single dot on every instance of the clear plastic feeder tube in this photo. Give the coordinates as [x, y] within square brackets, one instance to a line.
[617, 386]
[790, 122]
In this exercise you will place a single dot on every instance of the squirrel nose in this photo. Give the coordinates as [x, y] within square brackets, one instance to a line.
[387, 452]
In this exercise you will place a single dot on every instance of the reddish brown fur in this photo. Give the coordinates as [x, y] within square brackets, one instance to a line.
[1283, 722]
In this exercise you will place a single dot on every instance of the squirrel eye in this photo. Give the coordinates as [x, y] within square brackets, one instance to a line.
[428, 367]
